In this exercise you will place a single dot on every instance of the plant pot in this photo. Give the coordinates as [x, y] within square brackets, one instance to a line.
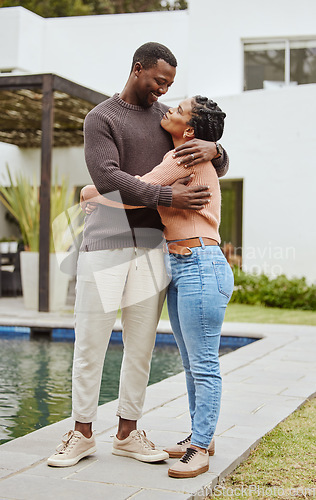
[58, 281]
[4, 247]
[13, 246]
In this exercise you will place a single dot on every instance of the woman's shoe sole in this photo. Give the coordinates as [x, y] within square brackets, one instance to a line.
[183, 474]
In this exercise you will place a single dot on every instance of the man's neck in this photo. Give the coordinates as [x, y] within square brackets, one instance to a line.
[128, 95]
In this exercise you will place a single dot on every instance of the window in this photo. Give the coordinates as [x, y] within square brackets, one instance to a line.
[303, 61]
[275, 63]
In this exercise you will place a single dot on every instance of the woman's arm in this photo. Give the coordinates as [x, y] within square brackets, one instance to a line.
[90, 197]
[167, 172]
[164, 174]
[196, 151]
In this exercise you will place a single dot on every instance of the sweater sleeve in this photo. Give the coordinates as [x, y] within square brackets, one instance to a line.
[221, 164]
[167, 172]
[102, 159]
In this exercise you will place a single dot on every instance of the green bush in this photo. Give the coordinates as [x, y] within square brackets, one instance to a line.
[280, 292]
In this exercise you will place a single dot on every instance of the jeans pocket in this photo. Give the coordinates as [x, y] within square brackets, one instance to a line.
[224, 277]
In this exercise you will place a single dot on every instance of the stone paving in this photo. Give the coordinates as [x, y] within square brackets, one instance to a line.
[263, 383]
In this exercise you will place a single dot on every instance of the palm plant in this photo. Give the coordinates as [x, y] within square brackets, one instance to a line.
[21, 199]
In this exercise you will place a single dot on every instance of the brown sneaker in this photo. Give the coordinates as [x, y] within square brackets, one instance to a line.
[193, 463]
[179, 449]
[74, 447]
[138, 446]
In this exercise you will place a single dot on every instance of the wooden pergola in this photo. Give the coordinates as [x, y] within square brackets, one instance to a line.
[42, 111]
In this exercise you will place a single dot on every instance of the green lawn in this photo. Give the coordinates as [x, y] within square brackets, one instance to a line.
[283, 464]
[243, 313]
[261, 314]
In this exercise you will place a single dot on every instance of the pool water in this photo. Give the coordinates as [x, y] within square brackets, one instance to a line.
[35, 380]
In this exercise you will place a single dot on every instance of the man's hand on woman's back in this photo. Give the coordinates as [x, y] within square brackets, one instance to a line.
[192, 197]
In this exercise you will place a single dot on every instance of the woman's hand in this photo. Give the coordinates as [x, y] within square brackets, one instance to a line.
[87, 194]
[195, 151]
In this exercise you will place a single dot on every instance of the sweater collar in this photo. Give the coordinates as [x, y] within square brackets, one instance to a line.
[125, 104]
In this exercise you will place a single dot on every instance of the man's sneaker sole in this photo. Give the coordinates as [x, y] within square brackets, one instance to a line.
[184, 474]
[142, 458]
[70, 461]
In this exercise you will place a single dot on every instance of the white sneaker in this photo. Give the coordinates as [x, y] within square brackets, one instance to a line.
[74, 447]
[138, 446]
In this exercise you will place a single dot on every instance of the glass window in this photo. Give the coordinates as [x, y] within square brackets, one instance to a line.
[264, 65]
[303, 61]
[274, 64]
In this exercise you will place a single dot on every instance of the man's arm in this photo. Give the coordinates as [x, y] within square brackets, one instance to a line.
[167, 172]
[196, 151]
[102, 158]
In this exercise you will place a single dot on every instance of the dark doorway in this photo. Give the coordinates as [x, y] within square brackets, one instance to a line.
[231, 218]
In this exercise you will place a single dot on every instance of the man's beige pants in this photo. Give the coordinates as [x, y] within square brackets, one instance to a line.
[136, 281]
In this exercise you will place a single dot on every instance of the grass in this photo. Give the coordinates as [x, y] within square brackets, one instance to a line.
[260, 314]
[244, 313]
[283, 465]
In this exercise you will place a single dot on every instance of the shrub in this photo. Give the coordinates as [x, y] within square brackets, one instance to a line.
[280, 292]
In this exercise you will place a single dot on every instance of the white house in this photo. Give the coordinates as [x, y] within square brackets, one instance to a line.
[257, 59]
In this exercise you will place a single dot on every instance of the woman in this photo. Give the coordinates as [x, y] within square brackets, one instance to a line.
[201, 279]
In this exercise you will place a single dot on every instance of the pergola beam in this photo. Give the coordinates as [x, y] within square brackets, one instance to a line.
[62, 85]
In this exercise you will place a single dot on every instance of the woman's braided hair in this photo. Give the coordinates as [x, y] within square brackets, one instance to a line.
[207, 119]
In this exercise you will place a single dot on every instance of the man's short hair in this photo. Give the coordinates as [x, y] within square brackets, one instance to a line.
[149, 54]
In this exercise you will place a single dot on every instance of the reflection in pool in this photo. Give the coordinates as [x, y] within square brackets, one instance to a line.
[35, 380]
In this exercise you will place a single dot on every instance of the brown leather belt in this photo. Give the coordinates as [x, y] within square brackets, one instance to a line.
[183, 247]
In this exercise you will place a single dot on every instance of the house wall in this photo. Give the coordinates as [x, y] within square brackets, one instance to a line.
[216, 30]
[101, 47]
[21, 40]
[273, 149]
[68, 162]
[95, 51]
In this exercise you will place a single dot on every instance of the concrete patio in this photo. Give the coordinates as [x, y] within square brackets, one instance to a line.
[263, 383]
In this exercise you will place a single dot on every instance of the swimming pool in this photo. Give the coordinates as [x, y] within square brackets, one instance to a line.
[35, 375]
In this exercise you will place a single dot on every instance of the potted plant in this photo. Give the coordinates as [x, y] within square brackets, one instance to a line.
[4, 245]
[21, 198]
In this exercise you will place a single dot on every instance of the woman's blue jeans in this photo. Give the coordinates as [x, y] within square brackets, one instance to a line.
[198, 294]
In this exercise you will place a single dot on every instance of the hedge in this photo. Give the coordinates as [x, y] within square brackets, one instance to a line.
[281, 292]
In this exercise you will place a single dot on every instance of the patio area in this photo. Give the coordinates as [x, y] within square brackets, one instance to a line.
[263, 383]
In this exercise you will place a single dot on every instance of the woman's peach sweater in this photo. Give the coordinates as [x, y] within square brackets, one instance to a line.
[182, 224]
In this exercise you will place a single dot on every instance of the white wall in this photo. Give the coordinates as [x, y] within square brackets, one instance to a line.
[100, 48]
[9, 36]
[21, 39]
[217, 28]
[68, 161]
[95, 51]
[271, 140]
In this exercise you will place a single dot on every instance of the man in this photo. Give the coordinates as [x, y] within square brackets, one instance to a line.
[121, 262]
